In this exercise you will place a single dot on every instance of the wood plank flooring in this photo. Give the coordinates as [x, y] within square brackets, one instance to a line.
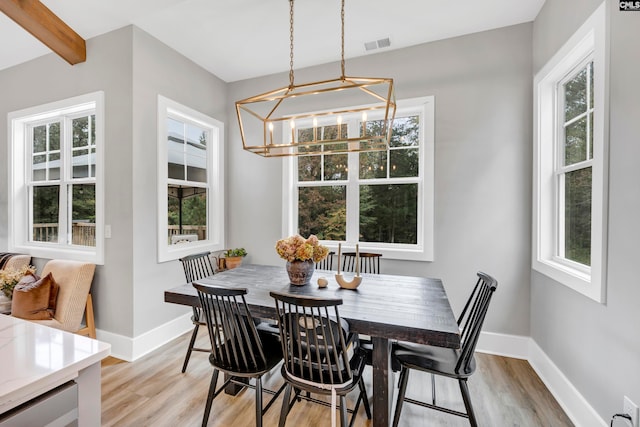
[153, 392]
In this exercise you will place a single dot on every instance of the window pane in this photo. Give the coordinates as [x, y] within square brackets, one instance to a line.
[196, 154]
[575, 95]
[39, 139]
[80, 134]
[590, 155]
[54, 166]
[590, 67]
[46, 201]
[323, 211]
[81, 161]
[575, 142]
[405, 132]
[404, 162]
[83, 216]
[175, 149]
[39, 168]
[389, 213]
[309, 168]
[373, 165]
[54, 136]
[335, 167]
[92, 162]
[331, 132]
[577, 216]
[187, 214]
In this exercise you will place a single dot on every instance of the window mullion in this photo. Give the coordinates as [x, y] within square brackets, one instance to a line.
[353, 189]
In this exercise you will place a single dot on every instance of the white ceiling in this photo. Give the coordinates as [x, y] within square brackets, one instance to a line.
[239, 39]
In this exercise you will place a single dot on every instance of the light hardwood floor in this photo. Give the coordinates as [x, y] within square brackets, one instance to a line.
[153, 392]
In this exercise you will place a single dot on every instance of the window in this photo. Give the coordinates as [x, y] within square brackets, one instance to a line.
[382, 200]
[190, 171]
[57, 179]
[570, 163]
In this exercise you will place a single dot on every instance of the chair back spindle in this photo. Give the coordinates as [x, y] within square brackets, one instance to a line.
[197, 266]
[369, 262]
[472, 317]
[234, 338]
[313, 337]
[327, 263]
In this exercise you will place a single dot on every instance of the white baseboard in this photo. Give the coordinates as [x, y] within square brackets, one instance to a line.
[572, 402]
[579, 411]
[515, 346]
[130, 349]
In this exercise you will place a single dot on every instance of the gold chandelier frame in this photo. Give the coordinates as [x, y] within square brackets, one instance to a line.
[275, 116]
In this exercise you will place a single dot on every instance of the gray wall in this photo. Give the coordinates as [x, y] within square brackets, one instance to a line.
[132, 68]
[597, 346]
[157, 69]
[49, 78]
[482, 89]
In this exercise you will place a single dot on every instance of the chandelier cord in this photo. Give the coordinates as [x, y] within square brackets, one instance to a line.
[290, 44]
[342, 38]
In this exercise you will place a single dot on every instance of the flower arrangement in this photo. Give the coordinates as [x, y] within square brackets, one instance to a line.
[9, 278]
[297, 248]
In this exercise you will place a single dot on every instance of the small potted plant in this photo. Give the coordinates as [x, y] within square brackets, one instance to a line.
[233, 257]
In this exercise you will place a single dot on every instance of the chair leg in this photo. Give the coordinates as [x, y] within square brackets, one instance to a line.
[433, 389]
[285, 406]
[258, 402]
[466, 397]
[367, 407]
[343, 411]
[404, 378]
[194, 335]
[90, 328]
[212, 390]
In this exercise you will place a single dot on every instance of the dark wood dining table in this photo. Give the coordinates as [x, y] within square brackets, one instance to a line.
[385, 307]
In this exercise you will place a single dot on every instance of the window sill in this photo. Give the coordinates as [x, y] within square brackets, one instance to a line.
[70, 253]
[581, 282]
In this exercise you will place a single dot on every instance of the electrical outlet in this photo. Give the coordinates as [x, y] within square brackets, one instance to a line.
[632, 409]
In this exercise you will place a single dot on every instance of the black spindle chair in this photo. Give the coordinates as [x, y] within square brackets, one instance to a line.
[369, 262]
[327, 263]
[196, 267]
[238, 349]
[458, 364]
[320, 355]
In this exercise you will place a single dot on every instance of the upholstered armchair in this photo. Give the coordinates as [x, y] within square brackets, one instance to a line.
[74, 279]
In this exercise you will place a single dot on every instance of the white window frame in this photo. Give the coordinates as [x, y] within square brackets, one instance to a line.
[423, 250]
[19, 168]
[215, 176]
[588, 43]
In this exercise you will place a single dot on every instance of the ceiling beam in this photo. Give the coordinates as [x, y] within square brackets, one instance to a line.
[44, 25]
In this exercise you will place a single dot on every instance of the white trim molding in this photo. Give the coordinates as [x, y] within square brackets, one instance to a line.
[577, 408]
[588, 43]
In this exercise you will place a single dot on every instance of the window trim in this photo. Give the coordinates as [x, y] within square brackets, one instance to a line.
[18, 236]
[215, 175]
[424, 249]
[588, 41]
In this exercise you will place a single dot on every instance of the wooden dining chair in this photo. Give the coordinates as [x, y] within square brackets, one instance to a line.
[196, 267]
[369, 262]
[458, 364]
[238, 348]
[327, 263]
[320, 355]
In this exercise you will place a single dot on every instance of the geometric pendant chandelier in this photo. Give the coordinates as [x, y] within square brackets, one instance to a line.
[345, 114]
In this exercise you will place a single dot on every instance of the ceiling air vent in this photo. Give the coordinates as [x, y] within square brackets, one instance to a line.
[377, 44]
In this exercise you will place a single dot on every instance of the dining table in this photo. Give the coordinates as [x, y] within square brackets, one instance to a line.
[386, 307]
